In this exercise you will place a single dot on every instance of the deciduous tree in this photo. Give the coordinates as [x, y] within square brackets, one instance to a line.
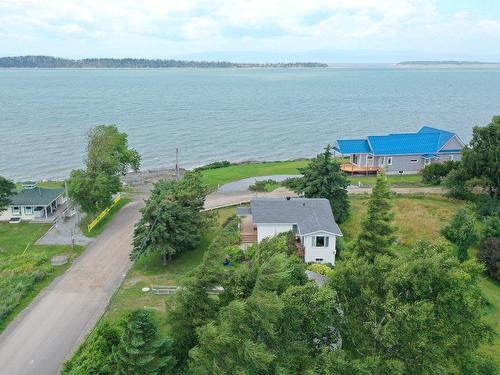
[462, 233]
[7, 188]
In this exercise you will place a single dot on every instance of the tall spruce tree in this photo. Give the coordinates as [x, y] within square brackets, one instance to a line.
[322, 178]
[141, 349]
[7, 188]
[377, 232]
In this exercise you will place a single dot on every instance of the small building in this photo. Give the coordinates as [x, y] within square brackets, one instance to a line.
[403, 153]
[34, 203]
[310, 219]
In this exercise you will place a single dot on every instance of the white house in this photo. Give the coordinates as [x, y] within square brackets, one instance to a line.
[310, 219]
[34, 203]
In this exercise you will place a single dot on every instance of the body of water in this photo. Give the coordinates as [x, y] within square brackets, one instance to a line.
[226, 114]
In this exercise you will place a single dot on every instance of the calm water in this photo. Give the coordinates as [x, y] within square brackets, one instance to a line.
[233, 114]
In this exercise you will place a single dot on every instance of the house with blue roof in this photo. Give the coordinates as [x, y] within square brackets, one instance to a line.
[402, 153]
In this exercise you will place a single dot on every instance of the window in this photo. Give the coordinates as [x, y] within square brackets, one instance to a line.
[28, 210]
[389, 160]
[414, 161]
[355, 159]
[370, 157]
[319, 259]
[16, 211]
[320, 241]
[450, 157]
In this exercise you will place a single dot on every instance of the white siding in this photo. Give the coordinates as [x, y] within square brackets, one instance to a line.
[271, 230]
[312, 253]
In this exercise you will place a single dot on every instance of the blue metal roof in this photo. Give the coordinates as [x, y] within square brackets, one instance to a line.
[353, 146]
[429, 156]
[427, 141]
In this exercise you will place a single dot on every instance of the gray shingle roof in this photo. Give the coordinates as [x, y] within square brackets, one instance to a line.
[35, 197]
[309, 214]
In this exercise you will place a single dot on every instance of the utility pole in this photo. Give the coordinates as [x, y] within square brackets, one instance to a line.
[177, 175]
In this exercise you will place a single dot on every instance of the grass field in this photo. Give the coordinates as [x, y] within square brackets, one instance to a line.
[149, 271]
[422, 217]
[46, 184]
[219, 176]
[24, 267]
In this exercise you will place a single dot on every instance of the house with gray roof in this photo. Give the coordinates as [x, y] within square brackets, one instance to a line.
[310, 219]
[401, 153]
[35, 203]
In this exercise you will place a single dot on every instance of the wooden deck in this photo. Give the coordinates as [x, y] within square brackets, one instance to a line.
[248, 232]
[356, 169]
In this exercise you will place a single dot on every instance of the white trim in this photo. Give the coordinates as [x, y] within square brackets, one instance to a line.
[322, 231]
[449, 140]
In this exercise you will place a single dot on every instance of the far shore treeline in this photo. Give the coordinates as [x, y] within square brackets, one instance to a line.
[57, 62]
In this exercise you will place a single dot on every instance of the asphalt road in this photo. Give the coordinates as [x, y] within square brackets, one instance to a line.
[46, 333]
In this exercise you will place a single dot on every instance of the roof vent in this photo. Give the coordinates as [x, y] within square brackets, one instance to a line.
[28, 185]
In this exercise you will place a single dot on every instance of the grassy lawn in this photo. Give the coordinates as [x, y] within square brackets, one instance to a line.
[97, 230]
[149, 271]
[46, 184]
[220, 176]
[24, 267]
[416, 216]
[422, 217]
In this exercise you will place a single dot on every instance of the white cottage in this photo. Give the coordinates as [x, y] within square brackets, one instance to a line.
[310, 219]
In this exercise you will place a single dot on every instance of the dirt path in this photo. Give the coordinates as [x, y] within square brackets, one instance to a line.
[46, 333]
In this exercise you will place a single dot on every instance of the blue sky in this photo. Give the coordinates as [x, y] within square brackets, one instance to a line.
[257, 30]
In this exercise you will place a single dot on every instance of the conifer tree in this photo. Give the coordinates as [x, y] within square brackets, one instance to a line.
[322, 178]
[377, 232]
[141, 349]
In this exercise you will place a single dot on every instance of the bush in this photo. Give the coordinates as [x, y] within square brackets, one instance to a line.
[486, 206]
[457, 184]
[214, 165]
[261, 186]
[489, 253]
[434, 173]
[18, 276]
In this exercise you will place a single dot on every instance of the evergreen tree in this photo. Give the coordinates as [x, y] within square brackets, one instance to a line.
[377, 232]
[141, 349]
[462, 233]
[322, 178]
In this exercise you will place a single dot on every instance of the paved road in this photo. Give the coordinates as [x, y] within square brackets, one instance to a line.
[45, 334]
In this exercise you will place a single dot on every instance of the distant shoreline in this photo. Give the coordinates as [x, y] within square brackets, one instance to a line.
[447, 63]
[50, 62]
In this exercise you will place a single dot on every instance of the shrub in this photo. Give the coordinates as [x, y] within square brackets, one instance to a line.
[489, 253]
[261, 186]
[214, 165]
[434, 173]
[457, 184]
[486, 206]
[322, 269]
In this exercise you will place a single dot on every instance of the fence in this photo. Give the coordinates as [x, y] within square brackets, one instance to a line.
[104, 213]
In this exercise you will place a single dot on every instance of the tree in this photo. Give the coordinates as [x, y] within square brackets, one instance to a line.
[418, 313]
[457, 184]
[108, 157]
[462, 233]
[141, 349]
[322, 178]
[482, 159]
[489, 249]
[94, 356]
[377, 232]
[434, 173]
[171, 219]
[7, 188]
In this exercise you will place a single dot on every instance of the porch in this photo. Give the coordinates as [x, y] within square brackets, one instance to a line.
[354, 169]
[248, 231]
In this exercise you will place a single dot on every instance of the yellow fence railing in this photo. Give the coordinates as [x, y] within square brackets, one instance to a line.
[104, 213]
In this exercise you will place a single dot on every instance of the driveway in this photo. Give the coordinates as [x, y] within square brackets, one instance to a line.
[46, 333]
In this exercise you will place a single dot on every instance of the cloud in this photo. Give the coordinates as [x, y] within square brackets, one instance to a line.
[197, 25]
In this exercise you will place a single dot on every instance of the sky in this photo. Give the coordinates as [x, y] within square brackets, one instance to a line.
[342, 31]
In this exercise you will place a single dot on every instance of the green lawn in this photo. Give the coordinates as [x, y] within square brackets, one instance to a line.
[24, 267]
[97, 230]
[46, 184]
[220, 176]
[149, 271]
